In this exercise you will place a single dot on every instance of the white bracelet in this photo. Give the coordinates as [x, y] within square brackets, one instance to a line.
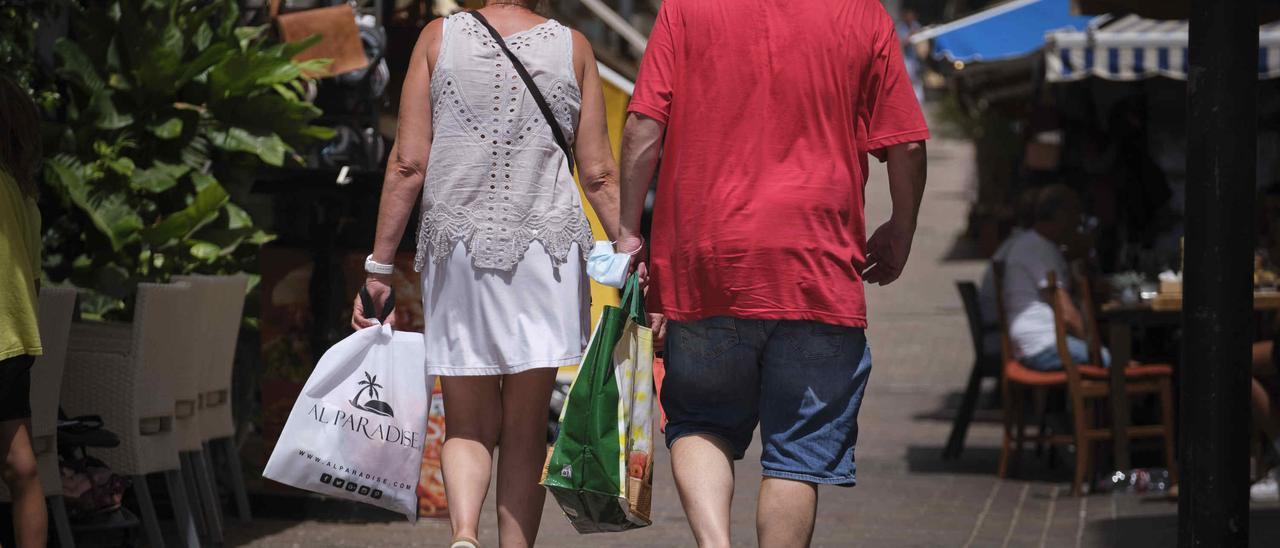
[633, 251]
[374, 267]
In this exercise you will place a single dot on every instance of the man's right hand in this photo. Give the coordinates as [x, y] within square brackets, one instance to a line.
[887, 252]
[379, 289]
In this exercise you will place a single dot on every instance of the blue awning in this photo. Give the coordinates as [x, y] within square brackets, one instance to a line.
[1010, 30]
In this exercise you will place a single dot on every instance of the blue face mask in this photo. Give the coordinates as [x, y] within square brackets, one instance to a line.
[608, 267]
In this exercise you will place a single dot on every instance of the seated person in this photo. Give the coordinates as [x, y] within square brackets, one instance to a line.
[1025, 216]
[1029, 256]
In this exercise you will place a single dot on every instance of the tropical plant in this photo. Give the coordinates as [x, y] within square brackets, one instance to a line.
[170, 107]
[19, 21]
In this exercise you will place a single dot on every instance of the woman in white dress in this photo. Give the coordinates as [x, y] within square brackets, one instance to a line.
[502, 241]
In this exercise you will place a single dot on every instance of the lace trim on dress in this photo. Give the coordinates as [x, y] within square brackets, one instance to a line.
[500, 246]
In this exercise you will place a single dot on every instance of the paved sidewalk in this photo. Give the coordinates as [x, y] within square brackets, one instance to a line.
[906, 496]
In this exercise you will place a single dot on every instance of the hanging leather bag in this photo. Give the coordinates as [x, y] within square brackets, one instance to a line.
[336, 25]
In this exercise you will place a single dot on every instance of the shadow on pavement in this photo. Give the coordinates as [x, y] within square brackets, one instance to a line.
[240, 534]
[1159, 531]
[274, 514]
[983, 461]
[310, 507]
[988, 409]
[964, 249]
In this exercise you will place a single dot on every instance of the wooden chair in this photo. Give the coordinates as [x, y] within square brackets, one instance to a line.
[1141, 379]
[1085, 384]
[985, 365]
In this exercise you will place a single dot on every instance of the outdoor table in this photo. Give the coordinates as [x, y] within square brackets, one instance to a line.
[1120, 318]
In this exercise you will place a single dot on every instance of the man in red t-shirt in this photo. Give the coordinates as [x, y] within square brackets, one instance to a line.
[763, 113]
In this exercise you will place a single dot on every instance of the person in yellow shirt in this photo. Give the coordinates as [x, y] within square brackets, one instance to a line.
[19, 333]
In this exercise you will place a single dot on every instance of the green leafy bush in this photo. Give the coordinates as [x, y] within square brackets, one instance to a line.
[17, 42]
[168, 109]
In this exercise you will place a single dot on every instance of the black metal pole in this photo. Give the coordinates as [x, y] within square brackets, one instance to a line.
[1222, 133]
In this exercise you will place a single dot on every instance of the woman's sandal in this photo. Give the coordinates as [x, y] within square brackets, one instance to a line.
[464, 542]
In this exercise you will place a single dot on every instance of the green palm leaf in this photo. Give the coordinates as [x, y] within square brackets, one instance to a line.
[166, 109]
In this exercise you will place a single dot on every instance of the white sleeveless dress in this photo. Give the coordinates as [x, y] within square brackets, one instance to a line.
[503, 237]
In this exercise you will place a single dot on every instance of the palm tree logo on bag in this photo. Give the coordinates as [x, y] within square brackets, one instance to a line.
[372, 405]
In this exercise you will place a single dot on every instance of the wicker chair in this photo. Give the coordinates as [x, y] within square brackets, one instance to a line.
[122, 373]
[187, 378]
[57, 305]
[222, 305]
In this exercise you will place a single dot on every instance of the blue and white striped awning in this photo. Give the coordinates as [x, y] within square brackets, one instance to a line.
[1132, 48]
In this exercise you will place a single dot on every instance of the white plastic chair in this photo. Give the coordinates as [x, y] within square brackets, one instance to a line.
[221, 306]
[57, 305]
[122, 373]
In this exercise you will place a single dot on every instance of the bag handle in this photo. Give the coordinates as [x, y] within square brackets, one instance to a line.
[533, 88]
[366, 302]
[633, 300]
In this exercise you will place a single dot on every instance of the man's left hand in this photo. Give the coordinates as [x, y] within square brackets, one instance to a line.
[887, 252]
[658, 323]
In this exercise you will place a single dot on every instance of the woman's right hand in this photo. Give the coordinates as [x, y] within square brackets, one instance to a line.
[635, 246]
[379, 289]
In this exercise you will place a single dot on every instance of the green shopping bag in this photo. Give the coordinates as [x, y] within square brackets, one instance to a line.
[601, 467]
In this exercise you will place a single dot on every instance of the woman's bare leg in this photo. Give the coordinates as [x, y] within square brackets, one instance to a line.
[522, 451]
[473, 422]
[21, 473]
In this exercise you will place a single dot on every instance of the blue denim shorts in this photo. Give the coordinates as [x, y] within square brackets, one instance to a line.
[800, 381]
[1050, 360]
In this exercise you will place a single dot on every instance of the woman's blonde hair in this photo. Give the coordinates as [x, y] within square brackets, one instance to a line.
[19, 135]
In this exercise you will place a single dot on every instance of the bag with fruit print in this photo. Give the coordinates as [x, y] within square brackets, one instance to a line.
[601, 467]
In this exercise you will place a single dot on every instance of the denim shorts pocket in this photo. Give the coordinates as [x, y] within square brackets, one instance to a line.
[705, 339]
[820, 341]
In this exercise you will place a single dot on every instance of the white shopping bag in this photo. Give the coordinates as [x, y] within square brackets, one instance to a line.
[357, 430]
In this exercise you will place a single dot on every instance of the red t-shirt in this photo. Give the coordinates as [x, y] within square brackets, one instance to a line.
[770, 110]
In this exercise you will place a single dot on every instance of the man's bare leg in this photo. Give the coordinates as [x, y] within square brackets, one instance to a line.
[703, 469]
[785, 513]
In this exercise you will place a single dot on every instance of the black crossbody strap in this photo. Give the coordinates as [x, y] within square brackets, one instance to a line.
[533, 89]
